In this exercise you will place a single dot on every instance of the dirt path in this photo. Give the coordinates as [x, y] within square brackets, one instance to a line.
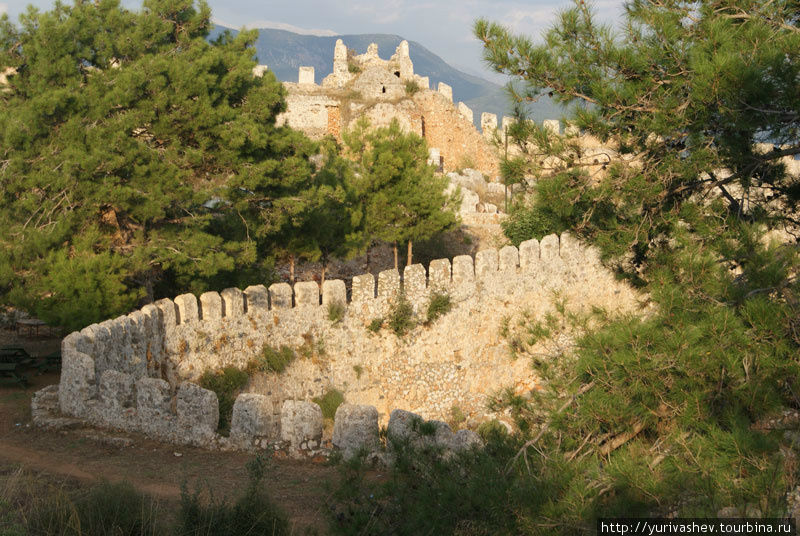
[89, 455]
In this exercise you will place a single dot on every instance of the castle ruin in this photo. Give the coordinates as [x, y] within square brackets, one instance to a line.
[138, 372]
[383, 90]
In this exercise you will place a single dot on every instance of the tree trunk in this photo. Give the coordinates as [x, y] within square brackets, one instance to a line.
[291, 268]
[394, 248]
[410, 256]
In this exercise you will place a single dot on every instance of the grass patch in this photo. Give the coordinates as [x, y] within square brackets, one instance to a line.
[226, 383]
[359, 370]
[329, 402]
[273, 360]
[375, 325]
[411, 87]
[401, 317]
[336, 311]
[252, 513]
[440, 304]
[106, 509]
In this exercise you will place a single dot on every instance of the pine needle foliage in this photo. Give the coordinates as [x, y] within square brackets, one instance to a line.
[128, 142]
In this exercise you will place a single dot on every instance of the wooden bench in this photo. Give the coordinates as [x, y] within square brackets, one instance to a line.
[12, 373]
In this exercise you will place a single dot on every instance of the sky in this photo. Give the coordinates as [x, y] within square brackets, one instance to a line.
[442, 26]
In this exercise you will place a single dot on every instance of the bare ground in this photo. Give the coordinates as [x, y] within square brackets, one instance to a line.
[79, 457]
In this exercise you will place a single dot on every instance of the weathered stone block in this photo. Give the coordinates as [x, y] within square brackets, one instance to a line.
[198, 412]
[116, 389]
[548, 249]
[300, 421]
[488, 124]
[423, 82]
[439, 274]
[334, 291]
[463, 270]
[211, 306]
[572, 130]
[280, 296]
[78, 381]
[305, 75]
[465, 439]
[233, 302]
[188, 310]
[529, 255]
[169, 312]
[405, 426]
[363, 288]
[388, 284]
[252, 419]
[257, 297]
[138, 334]
[154, 333]
[414, 281]
[355, 429]
[446, 90]
[153, 398]
[553, 126]
[486, 263]
[306, 294]
[570, 249]
[466, 112]
[509, 259]
[153, 403]
[80, 341]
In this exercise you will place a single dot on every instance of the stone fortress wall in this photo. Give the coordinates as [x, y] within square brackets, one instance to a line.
[136, 372]
[366, 85]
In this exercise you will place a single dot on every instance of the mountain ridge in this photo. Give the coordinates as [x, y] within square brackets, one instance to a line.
[284, 52]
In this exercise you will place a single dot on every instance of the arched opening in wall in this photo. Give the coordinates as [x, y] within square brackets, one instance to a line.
[383, 89]
[397, 74]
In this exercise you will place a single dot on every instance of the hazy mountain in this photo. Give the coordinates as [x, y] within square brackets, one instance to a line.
[285, 51]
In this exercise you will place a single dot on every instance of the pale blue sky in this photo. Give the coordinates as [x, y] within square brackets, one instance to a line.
[443, 26]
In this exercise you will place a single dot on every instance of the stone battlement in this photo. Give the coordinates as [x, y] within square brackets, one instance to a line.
[137, 371]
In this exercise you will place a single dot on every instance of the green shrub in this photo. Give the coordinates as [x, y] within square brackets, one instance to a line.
[457, 418]
[329, 401]
[439, 304]
[252, 513]
[411, 87]
[401, 316]
[359, 370]
[272, 360]
[375, 325]
[106, 509]
[489, 429]
[469, 493]
[226, 383]
[336, 311]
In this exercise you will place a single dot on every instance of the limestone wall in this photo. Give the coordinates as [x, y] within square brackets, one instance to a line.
[136, 371]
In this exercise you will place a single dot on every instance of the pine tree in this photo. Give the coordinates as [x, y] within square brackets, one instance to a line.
[667, 413]
[128, 145]
[401, 197]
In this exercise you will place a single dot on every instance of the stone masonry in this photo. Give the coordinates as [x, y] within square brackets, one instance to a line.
[137, 372]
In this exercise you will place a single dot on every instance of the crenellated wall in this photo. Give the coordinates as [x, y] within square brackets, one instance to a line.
[136, 372]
